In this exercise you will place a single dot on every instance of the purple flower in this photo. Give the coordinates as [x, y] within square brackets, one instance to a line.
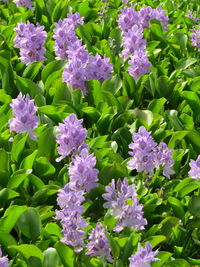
[163, 159]
[24, 3]
[128, 18]
[143, 257]
[98, 68]
[72, 222]
[3, 260]
[124, 206]
[139, 64]
[64, 34]
[195, 34]
[83, 175]
[132, 41]
[75, 74]
[71, 136]
[30, 39]
[195, 168]
[159, 14]
[142, 151]
[98, 244]
[145, 15]
[25, 119]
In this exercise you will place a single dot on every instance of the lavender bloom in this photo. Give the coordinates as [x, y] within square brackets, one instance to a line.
[30, 39]
[163, 159]
[139, 64]
[142, 151]
[195, 168]
[190, 14]
[195, 34]
[124, 206]
[25, 119]
[70, 216]
[127, 18]
[145, 15]
[64, 34]
[143, 257]
[98, 68]
[98, 244]
[71, 136]
[24, 3]
[159, 14]
[3, 260]
[83, 175]
[132, 41]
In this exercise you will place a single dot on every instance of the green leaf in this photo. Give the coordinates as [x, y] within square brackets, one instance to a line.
[177, 207]
[155, 240]
[27, 162]
[7, 240]
[16, 180]
[43, 167]
[185, 63]
[7, 74]
[168, 225]
[157, 105]
[66, 254]
[92, 112]
[27, 86]
[29, 223]
[46, 143]
[115, 248]
[194, 206]
[32, 70]
[177, 263]
[28, 251]
[193, 101]
[144, 115]
[188, 188]
[11, 215]
[112, 84]
[52, 67]
[176, 138]
[18, 146]
[42, 195]
[130, 246]
[163, 256]
[51, 258]
[83, 8]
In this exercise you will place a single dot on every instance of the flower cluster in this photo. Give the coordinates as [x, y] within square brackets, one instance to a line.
[132, 23]
[124, 206]
[147, 155]
[139, 64]
[83, 175]
[70, 216]
[192, 15]
[143, 257]
[64, 34]
[71, 136]
[132, 41]
[24, 110]
[195, 34]
[30, 39]
[3, 260]
[23, 3]
[129, 17]
[195, 168]
[81, 66]
[98, 244]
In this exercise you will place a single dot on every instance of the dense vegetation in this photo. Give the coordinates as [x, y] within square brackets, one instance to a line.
[99, 133]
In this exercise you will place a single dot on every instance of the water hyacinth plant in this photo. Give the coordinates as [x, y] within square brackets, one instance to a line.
[99, 133]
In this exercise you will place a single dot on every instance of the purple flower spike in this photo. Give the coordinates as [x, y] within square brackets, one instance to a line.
[98, 244]
[143, 257]
[3, 260]
[30, 39]
[24, 3]
[71, 136]
[132, 41]
[195, 34]
[64, 34]
[139, 64]
[142, 151]
[25, 119]
[163, 159]
[128, 18]
[124, 206]
[83, 175]
[73, 223]
[195, 168]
